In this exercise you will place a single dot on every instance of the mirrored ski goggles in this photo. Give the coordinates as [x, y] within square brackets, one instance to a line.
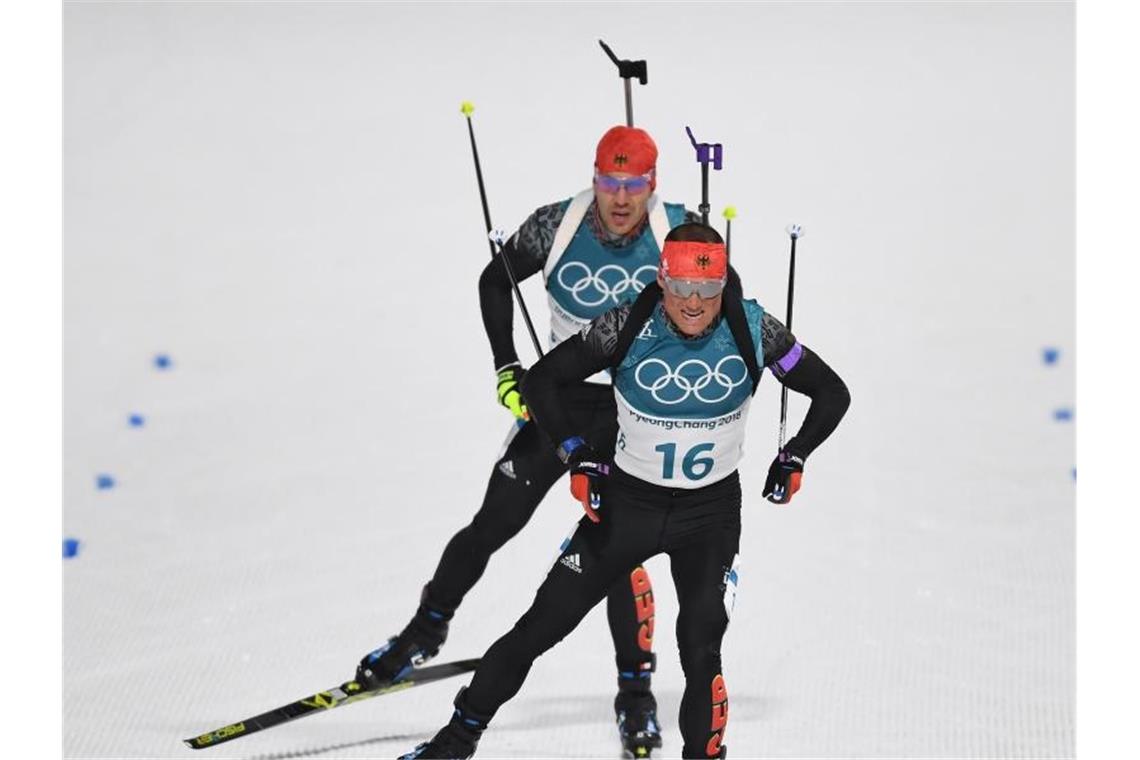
[686, 288]
[610, 184]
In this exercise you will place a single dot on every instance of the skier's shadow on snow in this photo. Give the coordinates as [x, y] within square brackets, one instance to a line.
[580, 709]
[583, 709]
[313, 752]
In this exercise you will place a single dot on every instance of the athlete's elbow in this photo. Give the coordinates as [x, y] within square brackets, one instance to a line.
[840, 396]
[830, 386]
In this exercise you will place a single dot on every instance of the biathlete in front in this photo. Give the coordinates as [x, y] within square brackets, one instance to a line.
[686, 357]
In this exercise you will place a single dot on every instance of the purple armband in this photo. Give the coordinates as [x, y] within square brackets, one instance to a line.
[784, 365]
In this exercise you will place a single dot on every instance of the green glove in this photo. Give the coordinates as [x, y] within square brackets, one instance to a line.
[509, 378]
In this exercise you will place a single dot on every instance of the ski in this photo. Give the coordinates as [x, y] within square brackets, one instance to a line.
[346, 693]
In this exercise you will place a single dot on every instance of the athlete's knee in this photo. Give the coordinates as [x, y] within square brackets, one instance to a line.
[559, 605]
[698, 624]
[540, 628]
[506, 509]
[699, 658]
[698, 640]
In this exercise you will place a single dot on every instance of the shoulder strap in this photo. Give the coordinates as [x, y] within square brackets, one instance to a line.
[738, 323]
[573, 217]
[658, 220]
[576, 212]
[641, 310]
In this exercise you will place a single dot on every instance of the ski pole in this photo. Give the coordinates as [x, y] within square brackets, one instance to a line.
[795, 232]
[467, 108]
[496, 238]
[706, 153]
[627, 70]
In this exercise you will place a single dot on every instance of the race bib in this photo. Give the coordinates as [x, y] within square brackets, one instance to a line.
[679, 452]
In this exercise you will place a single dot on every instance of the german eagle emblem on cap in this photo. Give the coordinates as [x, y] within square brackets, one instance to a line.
[703, 260]
[621, 159]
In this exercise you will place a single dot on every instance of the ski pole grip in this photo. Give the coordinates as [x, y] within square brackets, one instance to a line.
[631, 69]
[707, 152]
[628, 69]
[729, 214]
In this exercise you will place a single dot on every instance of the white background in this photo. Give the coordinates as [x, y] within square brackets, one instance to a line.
[282, 198]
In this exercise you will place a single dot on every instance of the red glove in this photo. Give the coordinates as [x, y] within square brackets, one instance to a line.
[784, 476]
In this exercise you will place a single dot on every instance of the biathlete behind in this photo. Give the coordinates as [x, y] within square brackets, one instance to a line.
[595, 251]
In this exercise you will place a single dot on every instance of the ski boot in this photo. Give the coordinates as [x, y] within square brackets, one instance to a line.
[457, 739]
[420, 640]
[636, 711]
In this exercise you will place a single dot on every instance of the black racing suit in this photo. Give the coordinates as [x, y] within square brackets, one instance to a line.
[529, 467]
[698, 528]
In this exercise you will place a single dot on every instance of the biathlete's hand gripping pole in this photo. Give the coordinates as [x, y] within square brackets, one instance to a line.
[628, 70]
[795, 232]
[495, 239]
[706, 153]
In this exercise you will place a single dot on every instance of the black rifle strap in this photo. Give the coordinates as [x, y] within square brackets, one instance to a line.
[641, 310]
[733, 308]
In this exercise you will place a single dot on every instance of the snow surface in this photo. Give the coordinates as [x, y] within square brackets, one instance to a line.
[281, 197]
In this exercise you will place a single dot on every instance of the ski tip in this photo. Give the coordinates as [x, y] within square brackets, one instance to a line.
[467, 108]
[223, 734]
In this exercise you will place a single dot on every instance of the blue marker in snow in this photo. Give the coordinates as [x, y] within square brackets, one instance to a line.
[162, 361]
[104, 482]
[1063, 414]
[70, 547]
[136, 420]
[1050, 355]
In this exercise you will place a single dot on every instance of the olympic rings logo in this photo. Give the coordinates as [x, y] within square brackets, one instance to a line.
[609, 282]
[679, 384]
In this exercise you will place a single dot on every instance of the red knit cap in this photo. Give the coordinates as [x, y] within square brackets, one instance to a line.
[685, 260]
[626, 149]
